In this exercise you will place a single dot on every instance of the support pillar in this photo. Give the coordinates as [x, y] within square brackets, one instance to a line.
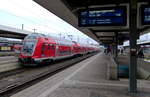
[116, 45]
[133, 47]
[115, 51]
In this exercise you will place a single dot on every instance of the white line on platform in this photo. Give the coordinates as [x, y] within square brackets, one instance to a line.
[46, 93]
[108, 84]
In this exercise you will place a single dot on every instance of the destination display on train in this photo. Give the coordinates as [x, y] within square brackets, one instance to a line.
[110, 16]
[145, 15]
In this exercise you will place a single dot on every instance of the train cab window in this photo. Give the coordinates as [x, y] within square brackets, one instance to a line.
[28, 46]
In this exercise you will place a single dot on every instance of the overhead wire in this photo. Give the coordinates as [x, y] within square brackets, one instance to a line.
[43, 24]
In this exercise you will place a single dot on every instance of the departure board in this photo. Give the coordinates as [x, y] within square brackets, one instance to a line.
[107, 16]
[145, 14]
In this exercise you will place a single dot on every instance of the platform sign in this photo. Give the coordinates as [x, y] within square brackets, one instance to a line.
[145, 14]
[104, 16]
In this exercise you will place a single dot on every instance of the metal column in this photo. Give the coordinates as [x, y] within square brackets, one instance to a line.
[116, 45]
[116, 51]
[133, 46]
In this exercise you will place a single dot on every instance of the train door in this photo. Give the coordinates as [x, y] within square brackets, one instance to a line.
[49, 50]
[46, 50]
[57, 48]
[52, 50]
[43, 50]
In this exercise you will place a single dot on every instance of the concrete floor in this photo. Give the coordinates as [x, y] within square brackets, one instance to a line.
[85, 79]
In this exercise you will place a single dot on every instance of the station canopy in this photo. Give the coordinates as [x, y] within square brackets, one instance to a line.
[105, 34]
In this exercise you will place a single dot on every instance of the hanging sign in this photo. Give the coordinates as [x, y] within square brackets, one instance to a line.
[104, 16]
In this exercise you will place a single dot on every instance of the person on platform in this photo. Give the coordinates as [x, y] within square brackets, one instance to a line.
[140, 53]
[108, 50]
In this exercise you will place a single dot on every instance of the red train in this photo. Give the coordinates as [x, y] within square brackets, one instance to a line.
[38, 48]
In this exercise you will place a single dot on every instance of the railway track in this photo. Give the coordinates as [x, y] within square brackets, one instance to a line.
[6, 58]
[8, 63]
[16, 82]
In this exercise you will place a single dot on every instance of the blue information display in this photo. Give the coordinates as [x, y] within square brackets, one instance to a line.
[110, 16]
[145, 14]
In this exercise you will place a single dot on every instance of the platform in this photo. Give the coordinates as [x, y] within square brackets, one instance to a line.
[85, 79]
[143, 66]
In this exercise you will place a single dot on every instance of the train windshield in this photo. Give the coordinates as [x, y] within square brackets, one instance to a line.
[28, 47]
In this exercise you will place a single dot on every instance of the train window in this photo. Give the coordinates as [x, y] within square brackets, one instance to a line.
[49, 46]
[58, 42]
[43, 48]
[46, 38]
[53, 47]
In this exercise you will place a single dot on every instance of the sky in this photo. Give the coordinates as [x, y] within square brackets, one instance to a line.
[14, 13]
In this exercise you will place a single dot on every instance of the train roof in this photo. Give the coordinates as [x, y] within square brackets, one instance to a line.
[58, 40]
[61, 41]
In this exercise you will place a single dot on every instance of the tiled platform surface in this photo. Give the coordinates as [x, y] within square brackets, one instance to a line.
[92, 82]
[86, 79]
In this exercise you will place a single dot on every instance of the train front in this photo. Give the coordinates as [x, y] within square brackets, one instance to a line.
[28, 48]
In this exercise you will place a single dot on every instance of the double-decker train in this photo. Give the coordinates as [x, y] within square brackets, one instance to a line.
[39, 48]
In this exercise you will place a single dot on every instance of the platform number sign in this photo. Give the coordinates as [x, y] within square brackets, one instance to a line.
[105, 16]
[145, 14]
